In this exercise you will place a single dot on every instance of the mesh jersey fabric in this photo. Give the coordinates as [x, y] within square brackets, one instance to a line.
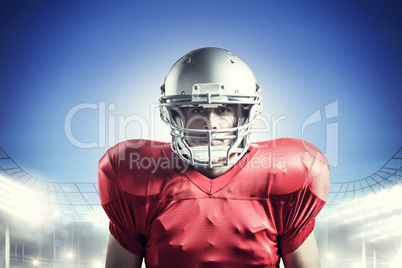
[164, 210]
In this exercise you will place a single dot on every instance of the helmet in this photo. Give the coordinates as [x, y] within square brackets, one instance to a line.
[209, 78]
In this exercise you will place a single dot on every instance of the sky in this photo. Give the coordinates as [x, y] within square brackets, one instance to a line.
[76, 77]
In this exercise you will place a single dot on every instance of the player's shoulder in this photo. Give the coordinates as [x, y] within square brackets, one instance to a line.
[291, 149]
[294, 162]
[287, 143]
[129, 155]
[136, 166]
[135, 148]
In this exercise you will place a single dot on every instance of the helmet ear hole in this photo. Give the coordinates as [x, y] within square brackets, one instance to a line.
[243, 112]
[246, 106]
[177, 116]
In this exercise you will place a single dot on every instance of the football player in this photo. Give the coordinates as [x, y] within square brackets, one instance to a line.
[211, 198]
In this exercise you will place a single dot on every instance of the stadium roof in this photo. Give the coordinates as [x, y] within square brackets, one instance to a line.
[387, 177]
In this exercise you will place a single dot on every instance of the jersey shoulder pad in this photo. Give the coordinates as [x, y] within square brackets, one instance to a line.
[296, 163]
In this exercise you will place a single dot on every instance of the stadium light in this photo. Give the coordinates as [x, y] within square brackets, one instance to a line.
[56, 213]
[97, 264]
[396, 261]
[378, 214]
[384, 228]
[99, 218]
[370, 206]
[70, 255]
[20, 200]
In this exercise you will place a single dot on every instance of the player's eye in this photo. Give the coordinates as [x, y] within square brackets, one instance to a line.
[223, 110]
[197, 111]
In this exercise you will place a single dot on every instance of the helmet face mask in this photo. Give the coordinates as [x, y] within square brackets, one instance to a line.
[210, 78]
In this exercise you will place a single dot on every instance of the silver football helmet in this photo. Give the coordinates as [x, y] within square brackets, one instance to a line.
[210, 78]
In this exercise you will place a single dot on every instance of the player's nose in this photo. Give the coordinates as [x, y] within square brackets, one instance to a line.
[211, 120]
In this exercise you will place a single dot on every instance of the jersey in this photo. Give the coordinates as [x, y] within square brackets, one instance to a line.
[263, 207]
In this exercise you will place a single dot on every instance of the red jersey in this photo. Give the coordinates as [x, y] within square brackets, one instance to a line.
[163, 209]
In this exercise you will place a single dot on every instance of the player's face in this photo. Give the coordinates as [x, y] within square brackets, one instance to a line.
[219, 118]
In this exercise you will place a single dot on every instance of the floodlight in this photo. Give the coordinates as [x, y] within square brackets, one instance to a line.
[35, 262]
[20, 200]
[70, 255]
[56, 213]
[97, 264]
[396, 261]
[99, 218]
[372, 205]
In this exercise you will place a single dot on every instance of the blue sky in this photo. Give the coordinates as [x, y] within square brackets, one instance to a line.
[306, 55]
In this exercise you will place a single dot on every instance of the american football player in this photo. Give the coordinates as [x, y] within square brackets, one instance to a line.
[211, 197]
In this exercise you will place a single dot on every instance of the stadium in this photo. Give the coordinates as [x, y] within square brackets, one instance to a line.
[56, 224]
[77, 77]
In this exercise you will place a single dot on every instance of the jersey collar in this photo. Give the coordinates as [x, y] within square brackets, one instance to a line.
[212, 186]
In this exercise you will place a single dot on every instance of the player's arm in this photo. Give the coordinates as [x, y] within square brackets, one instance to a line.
[305, 256]
[118, 256]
